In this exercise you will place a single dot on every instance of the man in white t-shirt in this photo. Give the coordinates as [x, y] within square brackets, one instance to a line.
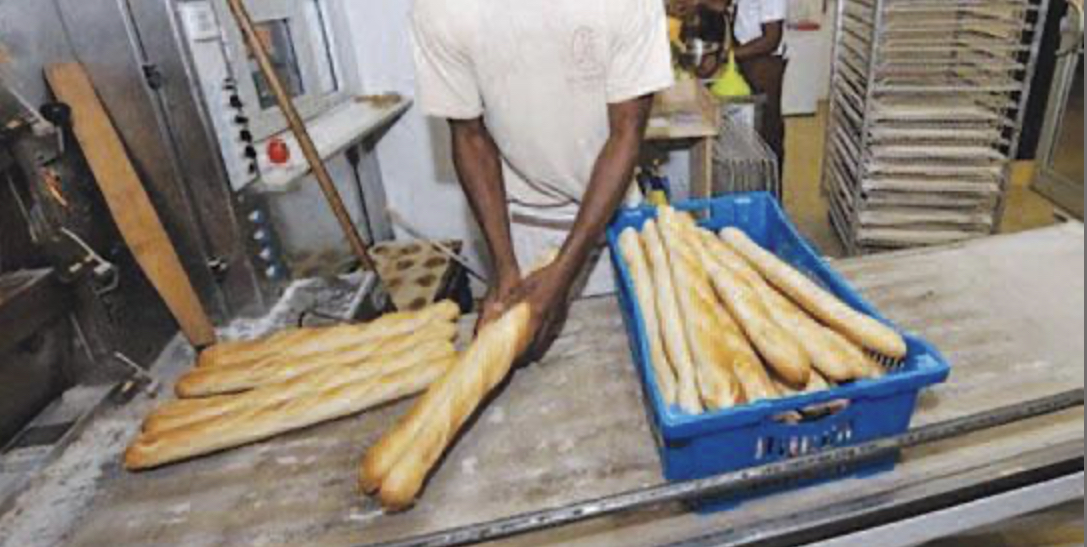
[759, 29]
[548, 102]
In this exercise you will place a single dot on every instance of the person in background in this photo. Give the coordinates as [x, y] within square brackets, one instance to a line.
[759, 31]
[548, 103]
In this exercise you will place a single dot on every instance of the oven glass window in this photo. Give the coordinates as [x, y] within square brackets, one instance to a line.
[277, 39]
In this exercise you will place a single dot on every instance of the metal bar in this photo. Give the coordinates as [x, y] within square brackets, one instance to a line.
[802, 468]
[1024, 101]
[305, 142]
[875, 60]
[839, 25]
[913, 514]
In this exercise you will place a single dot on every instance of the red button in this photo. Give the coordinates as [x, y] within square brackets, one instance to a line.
[278, 151]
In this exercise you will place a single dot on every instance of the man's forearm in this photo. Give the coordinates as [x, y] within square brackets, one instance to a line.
[611, 178]
[479, 169]
[767, 44]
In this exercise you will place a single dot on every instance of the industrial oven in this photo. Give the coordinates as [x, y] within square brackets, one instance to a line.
[209, 145]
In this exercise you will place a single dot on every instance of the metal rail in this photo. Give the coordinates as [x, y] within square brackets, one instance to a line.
[808, 467]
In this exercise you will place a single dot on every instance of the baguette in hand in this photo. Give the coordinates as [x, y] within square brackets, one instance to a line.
[399, 464]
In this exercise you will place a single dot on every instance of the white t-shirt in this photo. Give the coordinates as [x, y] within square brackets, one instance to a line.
[541, 73]
[751, 15]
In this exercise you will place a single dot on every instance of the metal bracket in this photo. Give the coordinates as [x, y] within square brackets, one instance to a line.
[153, 75]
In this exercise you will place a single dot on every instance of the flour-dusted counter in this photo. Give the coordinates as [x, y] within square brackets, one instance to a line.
[1007, 312]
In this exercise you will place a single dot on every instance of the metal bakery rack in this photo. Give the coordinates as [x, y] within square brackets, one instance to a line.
[927, 105]
[742, 161]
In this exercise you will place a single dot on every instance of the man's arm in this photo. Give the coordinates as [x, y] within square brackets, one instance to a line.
[547, 291]
[479, 169]
[767, 44]
[610, 181]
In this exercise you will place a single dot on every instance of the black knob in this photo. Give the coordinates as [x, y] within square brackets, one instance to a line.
[58, 114]
[246, 135]
[241, 120]
[236, 102]
[251, 152]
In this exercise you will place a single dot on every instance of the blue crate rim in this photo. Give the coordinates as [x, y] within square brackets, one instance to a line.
[930, 367]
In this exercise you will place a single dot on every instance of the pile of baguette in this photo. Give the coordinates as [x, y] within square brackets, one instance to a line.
[729, 323]
[244, 392]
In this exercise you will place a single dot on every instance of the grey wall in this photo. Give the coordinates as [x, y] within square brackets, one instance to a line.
[30, 35]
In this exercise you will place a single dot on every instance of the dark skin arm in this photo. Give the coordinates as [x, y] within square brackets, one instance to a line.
[767, 44]
[479, 169]
[547, 291]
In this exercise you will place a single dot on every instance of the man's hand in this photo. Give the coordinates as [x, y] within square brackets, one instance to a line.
[547, 293]
[497, 300]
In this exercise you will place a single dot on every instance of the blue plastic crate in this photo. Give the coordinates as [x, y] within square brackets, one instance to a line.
[693, 447]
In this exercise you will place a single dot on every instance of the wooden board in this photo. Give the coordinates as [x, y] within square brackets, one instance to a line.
[1007, 312]
[688, 111]
[128, 202]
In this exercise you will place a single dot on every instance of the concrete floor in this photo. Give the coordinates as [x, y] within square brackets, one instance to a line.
[806, 205]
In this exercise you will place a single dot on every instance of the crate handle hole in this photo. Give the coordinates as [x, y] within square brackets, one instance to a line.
[812, 414]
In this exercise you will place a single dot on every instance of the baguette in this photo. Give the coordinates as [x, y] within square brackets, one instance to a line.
[780, 350]
[440, 414]
[259, 423]
[634, 254]
[297, 344]
[832, 354]
[395, 444]
[746, 364]
[671, 322]
[816, 384]
[240, 351]
[861, 329]
[204, 382]
[187, 411]
[714, 361]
